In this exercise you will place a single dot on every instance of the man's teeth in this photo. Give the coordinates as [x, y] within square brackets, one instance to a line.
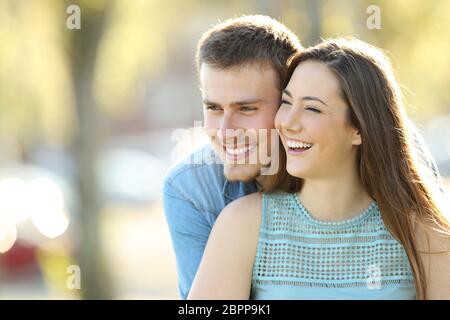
[238, 151]
[298, 144]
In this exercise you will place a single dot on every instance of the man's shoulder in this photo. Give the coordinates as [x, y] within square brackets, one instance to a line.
[200, 166]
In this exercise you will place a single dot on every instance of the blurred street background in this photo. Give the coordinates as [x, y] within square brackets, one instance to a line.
[91, 119]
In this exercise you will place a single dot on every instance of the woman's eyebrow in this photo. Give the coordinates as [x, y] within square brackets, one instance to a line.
[287, 93]
[310, 98]
[306, 98]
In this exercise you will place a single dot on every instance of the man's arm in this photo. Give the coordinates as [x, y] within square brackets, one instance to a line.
[226, 268]
[189, 230]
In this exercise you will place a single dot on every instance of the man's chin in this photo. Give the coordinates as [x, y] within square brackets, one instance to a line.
[242, 173]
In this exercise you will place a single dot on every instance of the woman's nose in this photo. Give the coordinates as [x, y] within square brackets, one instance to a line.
[291, 120]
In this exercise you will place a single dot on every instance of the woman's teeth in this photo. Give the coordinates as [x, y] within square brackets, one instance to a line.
[238, 151]
[295, 144]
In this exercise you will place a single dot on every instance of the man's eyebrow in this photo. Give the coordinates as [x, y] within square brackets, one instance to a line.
[310, 98]
[244, 102]
[240, 102]
[210, 103]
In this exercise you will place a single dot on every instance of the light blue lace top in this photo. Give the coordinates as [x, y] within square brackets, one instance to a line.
[299, 257]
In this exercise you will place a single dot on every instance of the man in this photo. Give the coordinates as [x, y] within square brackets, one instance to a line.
[241, 65]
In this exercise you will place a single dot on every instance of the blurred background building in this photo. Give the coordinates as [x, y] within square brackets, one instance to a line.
[91, 119]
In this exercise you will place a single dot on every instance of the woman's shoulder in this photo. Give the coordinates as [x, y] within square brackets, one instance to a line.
[246, 207]
[433, 245]
[241, 215]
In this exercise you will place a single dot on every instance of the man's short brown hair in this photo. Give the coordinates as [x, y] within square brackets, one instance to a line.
[248, 39]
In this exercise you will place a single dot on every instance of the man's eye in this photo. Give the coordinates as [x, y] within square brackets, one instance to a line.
[245, 108]
[313, 109]
[213, 108]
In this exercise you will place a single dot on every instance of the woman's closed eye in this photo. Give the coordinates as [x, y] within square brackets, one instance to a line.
[285, 102]
[313, 109]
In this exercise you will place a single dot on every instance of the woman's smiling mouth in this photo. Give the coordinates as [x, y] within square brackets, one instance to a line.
[297, 146]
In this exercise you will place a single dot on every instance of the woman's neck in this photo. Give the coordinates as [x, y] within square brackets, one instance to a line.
[341, 197]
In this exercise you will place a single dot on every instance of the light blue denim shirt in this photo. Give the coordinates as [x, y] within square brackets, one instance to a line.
[195, 192]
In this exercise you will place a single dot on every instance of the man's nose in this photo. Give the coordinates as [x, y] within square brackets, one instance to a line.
[228, 128]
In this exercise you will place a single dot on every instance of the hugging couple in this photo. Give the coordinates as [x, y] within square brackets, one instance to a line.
[355, 208]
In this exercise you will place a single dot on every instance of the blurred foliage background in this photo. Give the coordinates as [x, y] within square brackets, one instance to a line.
[91, 119]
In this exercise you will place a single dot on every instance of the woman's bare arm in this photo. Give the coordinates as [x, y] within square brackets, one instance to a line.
[435, 248]
[226, 268]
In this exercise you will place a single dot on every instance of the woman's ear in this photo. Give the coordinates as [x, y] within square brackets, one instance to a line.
[356, 138]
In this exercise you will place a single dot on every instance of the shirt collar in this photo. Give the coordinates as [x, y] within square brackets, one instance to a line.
[231, 189]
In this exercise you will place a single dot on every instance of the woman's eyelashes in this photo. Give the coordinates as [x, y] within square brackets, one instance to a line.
[308, 107]
[313, 109]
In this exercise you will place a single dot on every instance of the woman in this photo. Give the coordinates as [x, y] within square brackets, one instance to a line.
[366, 220]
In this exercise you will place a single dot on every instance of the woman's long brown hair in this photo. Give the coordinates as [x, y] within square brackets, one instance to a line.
[389, 166]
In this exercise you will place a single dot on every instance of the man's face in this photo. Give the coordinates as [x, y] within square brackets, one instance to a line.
[238, 102]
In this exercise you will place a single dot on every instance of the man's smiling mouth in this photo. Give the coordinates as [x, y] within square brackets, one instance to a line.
[238, 150]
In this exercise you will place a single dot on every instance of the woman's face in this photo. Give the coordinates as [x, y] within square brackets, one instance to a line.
[313, 124]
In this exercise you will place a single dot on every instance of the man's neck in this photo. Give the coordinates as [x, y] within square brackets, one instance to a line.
[260, 180]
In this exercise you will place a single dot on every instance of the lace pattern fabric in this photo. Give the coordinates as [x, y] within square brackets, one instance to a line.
[298, 251]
